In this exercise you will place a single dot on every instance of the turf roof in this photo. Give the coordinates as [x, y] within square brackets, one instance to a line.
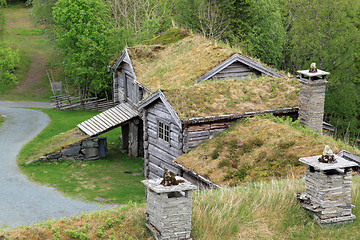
[233, 96]
[257, 149]
[176, 64]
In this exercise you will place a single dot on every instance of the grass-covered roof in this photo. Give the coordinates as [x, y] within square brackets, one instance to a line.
[234, 96]
[257, 149]
[175, 59]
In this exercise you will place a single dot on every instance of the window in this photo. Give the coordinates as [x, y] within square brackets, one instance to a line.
[164, 131]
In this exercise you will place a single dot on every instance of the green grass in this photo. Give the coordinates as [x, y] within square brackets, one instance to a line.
[258, 210]
[104, 178]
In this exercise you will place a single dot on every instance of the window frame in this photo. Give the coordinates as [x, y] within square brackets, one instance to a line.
[163, 131]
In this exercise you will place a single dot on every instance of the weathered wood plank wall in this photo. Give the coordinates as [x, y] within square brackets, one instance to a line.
[159, 154]
[237, 70]
[198, 133]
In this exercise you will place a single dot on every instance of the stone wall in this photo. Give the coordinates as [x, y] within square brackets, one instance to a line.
[86, 150]
[168, 209]
[328, 196]
[311, 103]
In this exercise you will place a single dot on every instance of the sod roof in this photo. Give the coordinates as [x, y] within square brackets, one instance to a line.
[257, 149]
[177, 64]
[234, 96]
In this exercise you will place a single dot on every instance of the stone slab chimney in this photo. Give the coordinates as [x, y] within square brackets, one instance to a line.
[312, 97]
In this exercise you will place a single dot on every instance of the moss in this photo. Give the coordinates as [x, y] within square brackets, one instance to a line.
[170, 36]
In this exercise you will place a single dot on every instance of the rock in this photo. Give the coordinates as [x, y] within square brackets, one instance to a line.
[91, 158]
[54, 156]
[71, 151]
[67, 158]
[90, 152]
[32, 161]
[327, 151]
[43, 158]
[90, 143]
[101, 199]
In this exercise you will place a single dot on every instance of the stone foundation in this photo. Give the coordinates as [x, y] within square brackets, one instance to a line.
[85, 150]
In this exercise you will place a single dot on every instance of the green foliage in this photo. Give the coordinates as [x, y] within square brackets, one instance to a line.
[266, 32]
[8, 63]
[82, 29]
[342, 107]
[323, 32]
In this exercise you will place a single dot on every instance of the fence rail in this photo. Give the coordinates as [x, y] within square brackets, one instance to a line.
[67, 102]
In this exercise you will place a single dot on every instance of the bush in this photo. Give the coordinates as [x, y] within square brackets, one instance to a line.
[8, 62]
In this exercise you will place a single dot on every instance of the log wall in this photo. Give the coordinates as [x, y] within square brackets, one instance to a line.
[159, 154]
[197, 133]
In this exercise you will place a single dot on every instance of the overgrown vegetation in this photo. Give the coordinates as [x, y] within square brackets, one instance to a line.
[114, 179]
[9, 58]
[259, 148]
[219, 97]
[258, 210]
[34, 51]
[172, 66]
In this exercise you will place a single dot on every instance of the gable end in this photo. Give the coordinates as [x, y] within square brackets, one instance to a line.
[242, 60]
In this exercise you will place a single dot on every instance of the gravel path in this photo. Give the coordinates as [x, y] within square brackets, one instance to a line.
[22, 201]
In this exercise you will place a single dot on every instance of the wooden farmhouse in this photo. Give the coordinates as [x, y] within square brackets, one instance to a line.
[173, 96]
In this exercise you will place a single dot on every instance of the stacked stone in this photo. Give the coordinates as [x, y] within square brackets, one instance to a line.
[328, 188]
[330, 195]
[85, 150]
[168, 211]
[311, 99]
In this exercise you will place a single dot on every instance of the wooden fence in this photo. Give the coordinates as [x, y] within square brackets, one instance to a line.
[67, 102]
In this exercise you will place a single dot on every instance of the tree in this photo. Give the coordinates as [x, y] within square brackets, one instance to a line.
[323, 32]
[266, 32]
[82, 29]
[137, 20]
[213, 21]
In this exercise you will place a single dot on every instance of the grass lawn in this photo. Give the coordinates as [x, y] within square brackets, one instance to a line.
[105, 178]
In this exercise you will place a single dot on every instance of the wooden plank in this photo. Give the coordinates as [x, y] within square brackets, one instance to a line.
[161, 153]
[153, 176]
[88, 129]
[153, 132]
[106, 118]
[102, 122]
[194, 143]
[159, 113]
[85, 130]
[198, 134]
[163, 165]
[156, 169]
[201, 127]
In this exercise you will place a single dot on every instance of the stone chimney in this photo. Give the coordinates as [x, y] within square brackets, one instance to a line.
[312, 97]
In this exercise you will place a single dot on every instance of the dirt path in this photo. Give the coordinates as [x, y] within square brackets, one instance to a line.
[34, 75]
[22, 201]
